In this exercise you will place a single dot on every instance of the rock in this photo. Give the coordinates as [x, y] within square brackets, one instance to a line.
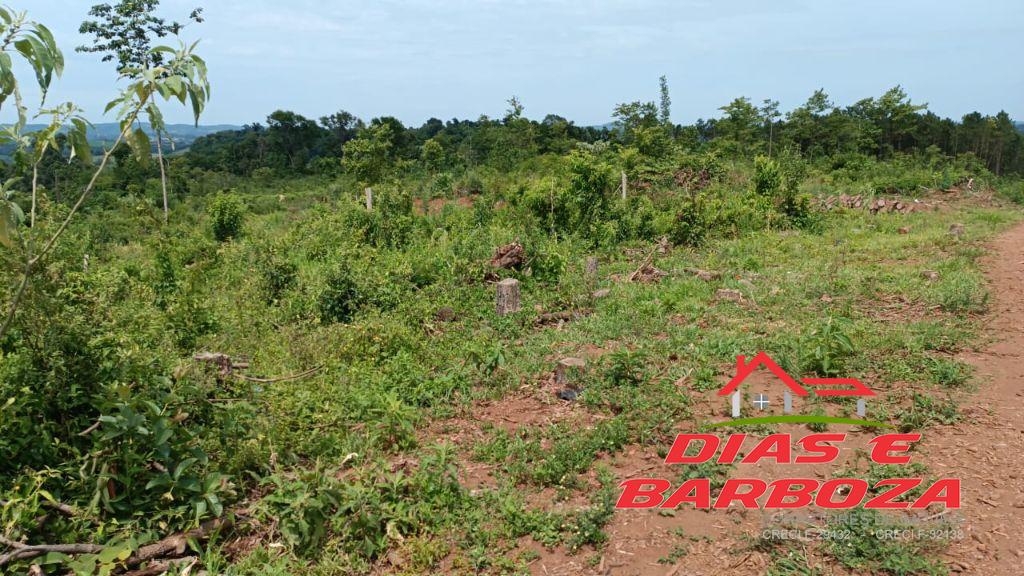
[602, 292]
[729, 294]
[956, 230]
[931, 275]
[904, 230]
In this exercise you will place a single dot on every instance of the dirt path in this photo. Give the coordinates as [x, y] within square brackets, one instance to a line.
[986, 451]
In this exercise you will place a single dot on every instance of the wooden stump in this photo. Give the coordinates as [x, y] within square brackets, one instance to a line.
[591, 267]
[507, 296]
[369, 199]
[568, 370]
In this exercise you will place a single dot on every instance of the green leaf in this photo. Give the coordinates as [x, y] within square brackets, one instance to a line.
[79, 141]
[10, 217]
[139, 143]
[182, 466]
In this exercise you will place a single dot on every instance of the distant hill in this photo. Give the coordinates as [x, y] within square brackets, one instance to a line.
[181, 135]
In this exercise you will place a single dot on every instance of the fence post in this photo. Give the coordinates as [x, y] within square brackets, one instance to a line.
[624, 184]
[369, 198]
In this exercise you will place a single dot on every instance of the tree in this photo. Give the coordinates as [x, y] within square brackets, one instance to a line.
[740, 123]
[665, 103]
[433, 156]
[633, 115]
[290, 138]
[125, 31]
[342, 126]
[369, 156]
[770, 113]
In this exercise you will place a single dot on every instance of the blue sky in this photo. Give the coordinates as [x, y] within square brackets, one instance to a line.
[461, 58]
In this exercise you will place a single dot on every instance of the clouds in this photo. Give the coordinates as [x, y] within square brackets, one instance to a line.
[445, 58]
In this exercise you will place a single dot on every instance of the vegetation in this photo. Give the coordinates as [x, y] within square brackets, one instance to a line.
[231, 335]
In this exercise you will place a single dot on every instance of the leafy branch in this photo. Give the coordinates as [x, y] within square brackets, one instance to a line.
[183, 78]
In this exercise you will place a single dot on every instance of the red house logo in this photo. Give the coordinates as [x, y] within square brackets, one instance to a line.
[818, 386]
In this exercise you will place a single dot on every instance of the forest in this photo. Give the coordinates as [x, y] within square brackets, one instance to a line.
[277, 350]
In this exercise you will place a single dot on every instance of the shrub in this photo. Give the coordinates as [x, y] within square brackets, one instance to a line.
[767, 180]
[226, 217]
[339, 300]
[692, 222]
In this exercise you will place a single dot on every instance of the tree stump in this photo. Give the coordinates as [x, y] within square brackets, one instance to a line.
[369, 199]
[568, 371]
[507, 296]
[591, 267]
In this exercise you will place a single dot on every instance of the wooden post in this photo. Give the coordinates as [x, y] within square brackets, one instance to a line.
[369, 198]
[624, 185]
[507, 296]
[591, 267]
[568, 370]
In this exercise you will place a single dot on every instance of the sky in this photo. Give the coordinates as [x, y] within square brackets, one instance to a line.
[416, 59]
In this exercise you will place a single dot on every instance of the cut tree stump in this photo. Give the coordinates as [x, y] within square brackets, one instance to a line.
[509, 256]
[568, 371]
[507, 296]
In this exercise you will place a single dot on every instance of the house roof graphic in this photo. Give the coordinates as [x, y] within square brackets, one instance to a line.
[838, 386]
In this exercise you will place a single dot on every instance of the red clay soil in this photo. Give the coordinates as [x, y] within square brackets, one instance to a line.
[987, 451]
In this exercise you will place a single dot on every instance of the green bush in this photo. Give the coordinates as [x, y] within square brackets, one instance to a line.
[692, 223]
[340, 299]
[226, 215]
[767, 180]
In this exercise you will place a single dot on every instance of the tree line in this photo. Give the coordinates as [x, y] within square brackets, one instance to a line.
[880, 127]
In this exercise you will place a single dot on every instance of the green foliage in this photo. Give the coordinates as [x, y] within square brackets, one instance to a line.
[692, 222]
[125, 31]
[827, 347]
[587, 528]
[865, 550]
[626, 368]
[226, 216]
[767, 180]
[925, 411]
[340, 298]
